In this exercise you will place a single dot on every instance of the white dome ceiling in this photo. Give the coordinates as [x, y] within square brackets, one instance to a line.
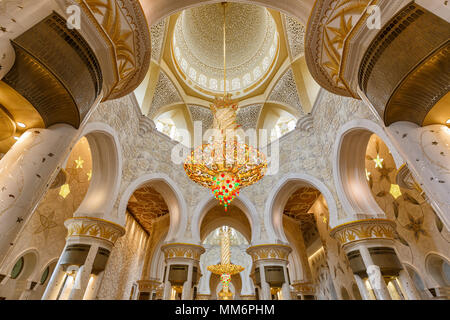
[252, 43]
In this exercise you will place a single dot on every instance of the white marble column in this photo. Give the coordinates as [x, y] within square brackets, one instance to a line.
[167, 285]
[362, 287]
[265, 287]
[427, 153]
[375, 277]
[83, 274]
[278, 258]
[187, 286]
[286, 287]
[203, 285]
[184, 254]
[93, 286]
[26, 171]
[96, 234]
[408, 286]
[56, 281]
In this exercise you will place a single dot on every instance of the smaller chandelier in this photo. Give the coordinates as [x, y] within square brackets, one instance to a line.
[225, 269]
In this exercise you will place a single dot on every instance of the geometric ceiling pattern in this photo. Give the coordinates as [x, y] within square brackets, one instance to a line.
[296, 36]
[165, 94]
[300, 202]
[157, 32]
[201, 32]
[285, 91]
[297, 207]
[146, 204]
[202, 114]
[248, 116]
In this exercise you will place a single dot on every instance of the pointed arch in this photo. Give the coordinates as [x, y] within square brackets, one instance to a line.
[172, 195]
[278, 196]
[242, 202]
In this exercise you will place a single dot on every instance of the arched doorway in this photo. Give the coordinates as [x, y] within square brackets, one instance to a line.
[239, 244]
[305, 220]
[105, 174]
[439, 269]
[151, 207]
[20, 272]
[153, 211]
[349, 168]
[241, 204]
[372, 181]
[148, 207]
[241, 235]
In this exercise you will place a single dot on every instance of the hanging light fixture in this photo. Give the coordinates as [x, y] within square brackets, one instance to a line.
[225, 269]
[225, 165]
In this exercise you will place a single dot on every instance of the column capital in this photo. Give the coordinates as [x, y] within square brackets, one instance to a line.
[269, 252]
[302, 287]
[361, 230]
[148, 285]
[93, 228]
[182, 250]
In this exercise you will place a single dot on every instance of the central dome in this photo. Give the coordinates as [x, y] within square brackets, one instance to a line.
[252, 43]
[246, 30]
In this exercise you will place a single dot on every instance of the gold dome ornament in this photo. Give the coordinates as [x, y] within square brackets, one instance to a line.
[225, 165]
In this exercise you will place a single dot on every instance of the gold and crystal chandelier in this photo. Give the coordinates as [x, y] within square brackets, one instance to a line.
[225, 165]
[225, 269]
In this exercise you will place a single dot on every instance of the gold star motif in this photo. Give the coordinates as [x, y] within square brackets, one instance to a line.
[378, 162]
[89, 174]
[79, 163]
[64, 191]
[395, 191]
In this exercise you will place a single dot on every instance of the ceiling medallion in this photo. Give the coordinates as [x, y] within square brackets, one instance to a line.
[225, 165]
[225, 269]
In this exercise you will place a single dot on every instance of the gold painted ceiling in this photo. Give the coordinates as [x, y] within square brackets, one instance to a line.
[146, 204]
[300, 202]
[297, 207]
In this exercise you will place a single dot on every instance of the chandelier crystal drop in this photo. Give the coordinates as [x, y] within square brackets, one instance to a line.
[225, 165]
